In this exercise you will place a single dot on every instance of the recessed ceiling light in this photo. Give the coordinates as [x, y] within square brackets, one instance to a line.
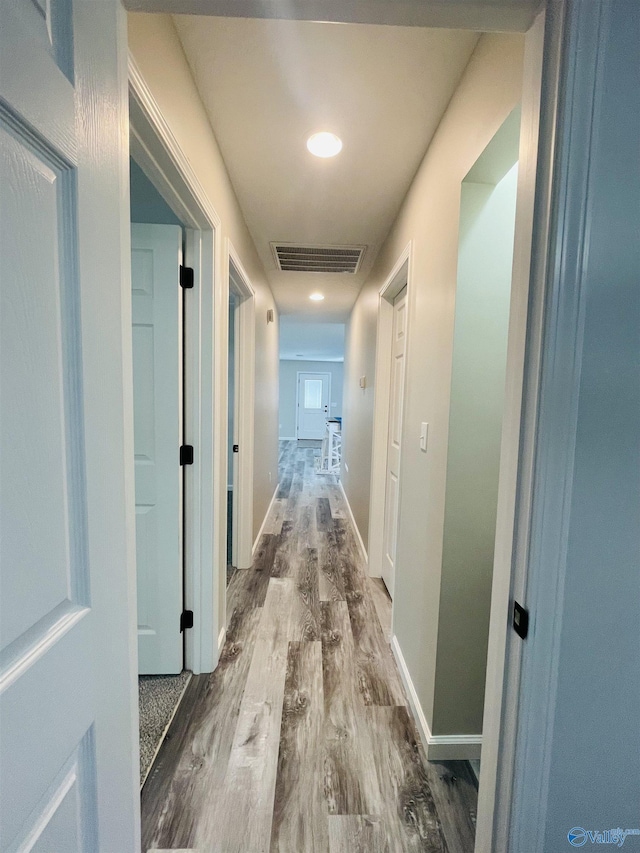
[317, 297]
[324, 144]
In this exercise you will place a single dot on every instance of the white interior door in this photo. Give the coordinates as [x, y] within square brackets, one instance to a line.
[398, 349]
[67, 742]
[314, 390]
[157, 374]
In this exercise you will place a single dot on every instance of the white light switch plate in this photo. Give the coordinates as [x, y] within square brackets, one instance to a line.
[424, 435]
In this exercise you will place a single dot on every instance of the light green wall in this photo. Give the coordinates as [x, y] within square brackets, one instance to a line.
[288, 380]
[487, 220]
[146, 203]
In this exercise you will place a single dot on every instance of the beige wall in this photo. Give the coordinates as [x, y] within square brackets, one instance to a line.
[357, 406]
[490, 88]
[155, 46]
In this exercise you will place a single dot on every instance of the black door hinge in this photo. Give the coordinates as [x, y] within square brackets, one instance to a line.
[236, 448]
[186, 620]
[520, 620]
[186, 277]
[186, 454]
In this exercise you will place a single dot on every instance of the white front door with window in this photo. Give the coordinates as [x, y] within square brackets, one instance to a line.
[68, 742]
[314, 390]
[392, 491]
[157, 371]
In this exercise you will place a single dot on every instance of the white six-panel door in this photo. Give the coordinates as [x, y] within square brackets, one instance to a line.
[68, 745]
[313, 404]
[156, 302]
[398, 349]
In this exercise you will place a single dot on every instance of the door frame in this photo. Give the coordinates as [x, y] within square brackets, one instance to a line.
[157, 152]
[238, 282]
[399, 277]
[317, 373]
[519, 427]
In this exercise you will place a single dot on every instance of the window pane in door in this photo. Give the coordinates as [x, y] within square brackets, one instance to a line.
[313, 393]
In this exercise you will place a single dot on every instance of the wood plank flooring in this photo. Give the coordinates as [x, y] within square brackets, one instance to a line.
[301, 741]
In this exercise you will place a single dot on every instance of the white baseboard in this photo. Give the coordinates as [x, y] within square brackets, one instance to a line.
[436, 747]
[264, 520]
[363, 550]
[222, 636]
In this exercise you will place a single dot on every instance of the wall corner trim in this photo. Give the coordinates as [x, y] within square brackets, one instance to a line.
[264, 520]
[363, 550]
[436, 747]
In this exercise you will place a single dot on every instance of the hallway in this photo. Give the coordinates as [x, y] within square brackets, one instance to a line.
[301, 740]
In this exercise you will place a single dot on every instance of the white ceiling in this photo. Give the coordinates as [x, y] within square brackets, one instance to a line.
[310, 341]
[268, 84]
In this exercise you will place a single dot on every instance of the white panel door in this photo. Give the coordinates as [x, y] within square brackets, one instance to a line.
[68, 747]
[398, 349]
[157, 373]
[314, 390]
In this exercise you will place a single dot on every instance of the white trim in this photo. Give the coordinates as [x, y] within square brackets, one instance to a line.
[244, 405]
[222, 636]
[573, 88]
[395, 281]
[516, 461]
[436, 747]
[454, 747]
[287, 438]
[171, 158]
[503, 16]
[265, 520]
[157, 151]
[352, 519]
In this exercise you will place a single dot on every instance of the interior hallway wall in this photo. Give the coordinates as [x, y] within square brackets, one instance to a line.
[156, 48]
[288, 390]
[488, 91]
[359, 361]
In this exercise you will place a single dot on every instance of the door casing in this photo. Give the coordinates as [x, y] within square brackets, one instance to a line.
[156, 150]
[244, 403]
[398, 278]
[394, 448]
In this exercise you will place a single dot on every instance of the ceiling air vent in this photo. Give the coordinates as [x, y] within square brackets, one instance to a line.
[325, 259]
